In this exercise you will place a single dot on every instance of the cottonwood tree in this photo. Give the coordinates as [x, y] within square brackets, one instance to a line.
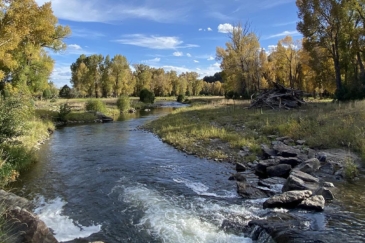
[325, 24]
[26, 29]
[240, 60]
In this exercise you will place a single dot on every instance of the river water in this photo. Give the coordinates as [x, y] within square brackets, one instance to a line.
[115, 183]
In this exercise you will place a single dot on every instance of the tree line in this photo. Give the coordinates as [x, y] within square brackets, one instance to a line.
[328, 60]
[99, 76]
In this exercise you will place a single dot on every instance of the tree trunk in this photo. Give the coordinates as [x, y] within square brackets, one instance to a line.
[336, 61]
[362, 68]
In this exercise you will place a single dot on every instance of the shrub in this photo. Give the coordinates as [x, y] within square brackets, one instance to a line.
[123, 103]
[180, 98]
[14, 112]
[95, 105]
[65, 109]
[147, 96]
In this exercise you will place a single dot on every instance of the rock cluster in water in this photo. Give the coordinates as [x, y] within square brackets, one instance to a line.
[292, 178]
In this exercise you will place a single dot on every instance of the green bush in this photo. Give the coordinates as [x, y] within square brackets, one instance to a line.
[14, 112]
[147, 96]
[65, 109]
[123, 103]
[180, 98]
[95, 105]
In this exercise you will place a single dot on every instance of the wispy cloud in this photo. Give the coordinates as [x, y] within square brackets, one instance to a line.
[152, 61]
[109, 11]
[154, 42]
[271, 4]
[74, 47]
[284, 33]
[178, 54]
[188, 54]
[196, 61]
[210, 58]
[285, 24]
[84, 33]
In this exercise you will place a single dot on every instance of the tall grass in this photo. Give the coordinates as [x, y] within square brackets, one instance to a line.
[322, 125]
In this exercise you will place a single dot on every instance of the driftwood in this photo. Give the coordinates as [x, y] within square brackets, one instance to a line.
[278, 97]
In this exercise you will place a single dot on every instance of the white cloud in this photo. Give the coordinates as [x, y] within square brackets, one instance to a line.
[210, 58]
[61, 74]
[188, 54]
[225, 28]
[108, 11]
[196, 61]
[200, 29]
[154, 60]
[74, 46]
[154, 42]
[284, 33]
[209, 29]
[84, 33]
[178, 54]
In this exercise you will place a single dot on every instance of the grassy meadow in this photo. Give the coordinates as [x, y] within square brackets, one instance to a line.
[222, 129]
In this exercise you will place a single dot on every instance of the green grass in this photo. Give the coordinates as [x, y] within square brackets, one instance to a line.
[323, 125]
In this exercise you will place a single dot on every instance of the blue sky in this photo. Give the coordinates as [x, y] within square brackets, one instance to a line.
[179, 35]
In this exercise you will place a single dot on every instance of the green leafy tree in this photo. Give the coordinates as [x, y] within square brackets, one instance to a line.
[65, 92]
[147, 96]
[123, 103]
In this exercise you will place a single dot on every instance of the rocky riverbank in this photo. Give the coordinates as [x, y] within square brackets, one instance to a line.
[297, 184]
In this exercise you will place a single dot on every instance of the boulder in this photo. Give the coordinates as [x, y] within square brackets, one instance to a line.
[281, 170]
[289, 199]
[284, 150]
[238, 177]
[262, 166]
[322, 157]
[315, 203]
[248, 191]
[309, 166]
[298, 180]
[28, 228]
[10, 200]
[300, 142]
[267, 152]
[326, 193]
[240, 167]
[292, 161]
[274, 184]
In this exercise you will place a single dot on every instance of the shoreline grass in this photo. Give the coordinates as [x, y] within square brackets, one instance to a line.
[222, 130]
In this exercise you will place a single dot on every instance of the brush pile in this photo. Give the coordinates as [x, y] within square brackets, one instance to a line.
[278, 97]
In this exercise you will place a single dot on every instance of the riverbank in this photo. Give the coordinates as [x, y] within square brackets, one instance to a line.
[305, 149]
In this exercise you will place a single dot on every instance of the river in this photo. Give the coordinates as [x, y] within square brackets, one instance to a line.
[115, 183]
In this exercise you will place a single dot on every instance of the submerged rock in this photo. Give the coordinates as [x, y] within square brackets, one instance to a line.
[249, 191]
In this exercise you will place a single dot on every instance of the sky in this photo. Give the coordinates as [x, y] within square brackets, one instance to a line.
[180, 35]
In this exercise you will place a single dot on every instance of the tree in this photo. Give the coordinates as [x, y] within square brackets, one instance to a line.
[65, 92]
[240, 60]
[25, 30]
[325, 24]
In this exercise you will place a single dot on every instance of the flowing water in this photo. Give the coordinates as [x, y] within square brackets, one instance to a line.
[115, 183]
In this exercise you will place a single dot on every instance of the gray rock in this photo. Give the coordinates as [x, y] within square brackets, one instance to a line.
[327, 168]
[298, 180]
[292, 161]
[281, 170]
[326, 193]
[238, 177]
[10, 200]
[240, 167]
[285, 150]
[267, 152]
[26, 227]
[272, 181]
[248, 191]
[263, 164]
[289, 199]
[288, 141]
[300, 142]
[309, 166]
[322, 157]
[328, 184]
[313, 203]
